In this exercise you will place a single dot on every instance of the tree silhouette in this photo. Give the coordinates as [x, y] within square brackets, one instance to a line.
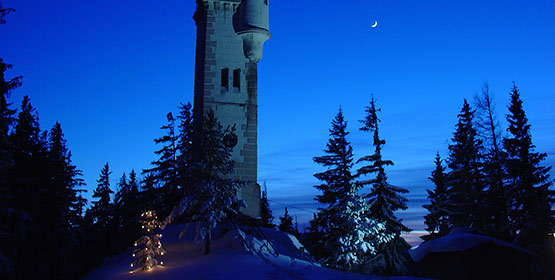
[532, 217]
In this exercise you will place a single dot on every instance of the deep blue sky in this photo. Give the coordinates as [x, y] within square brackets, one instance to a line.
[109, 71]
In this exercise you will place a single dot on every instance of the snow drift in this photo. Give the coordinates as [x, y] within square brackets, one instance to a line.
[238, 254]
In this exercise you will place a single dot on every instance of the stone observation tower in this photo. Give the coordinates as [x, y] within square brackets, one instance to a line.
[230, 38]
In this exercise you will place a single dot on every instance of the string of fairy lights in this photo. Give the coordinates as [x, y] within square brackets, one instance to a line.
[153, 247]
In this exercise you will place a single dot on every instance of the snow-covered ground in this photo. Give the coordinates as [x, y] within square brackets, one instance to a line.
[235, 255]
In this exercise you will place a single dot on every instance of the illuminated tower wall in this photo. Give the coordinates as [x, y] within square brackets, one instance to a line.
[230, 39]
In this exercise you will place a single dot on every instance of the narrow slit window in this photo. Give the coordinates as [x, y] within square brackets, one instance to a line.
[225, 78]
[237, 79]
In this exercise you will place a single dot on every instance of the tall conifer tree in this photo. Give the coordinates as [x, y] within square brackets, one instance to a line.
[265, 211]
[216, 200]
[65, 180]
[465, 180]
[6, 120]
[437, 220]
[12, 218]
[384, 199]
[165, 170]
[531, 216]
[27, 179]
[347, 235]
[102, 210]
[185, 147]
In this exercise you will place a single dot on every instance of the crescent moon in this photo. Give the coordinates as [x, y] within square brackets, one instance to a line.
[375, 24]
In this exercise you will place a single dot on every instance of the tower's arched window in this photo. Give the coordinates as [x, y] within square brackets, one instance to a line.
[225, 78]
[237, 79]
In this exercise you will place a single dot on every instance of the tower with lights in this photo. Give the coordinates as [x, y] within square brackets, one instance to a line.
[230, 39]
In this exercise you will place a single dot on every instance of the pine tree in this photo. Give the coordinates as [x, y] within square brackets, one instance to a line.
[437, 219]
[29, 147]
[146, 256]
[133, 184]
[384, 199]
[495, 202]
[27, 179]
[126, 200]
[122, 193]
[185, 147]
[216, 199]
[6, 120]
[465, 180]
[337, 182]
[347, 235]
[338, 179]
[286, 223]
[265, 211]
[63, 204]
[7, 229]
[531, 215]
[65, 181]
[165, 170]
[102, 210]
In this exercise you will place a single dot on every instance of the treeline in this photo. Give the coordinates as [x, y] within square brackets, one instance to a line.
[45, 231]
[493, 182]
[40, 192]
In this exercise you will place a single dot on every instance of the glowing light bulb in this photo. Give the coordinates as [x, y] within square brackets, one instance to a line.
[161, 263]
[133, 255]
[131, 265]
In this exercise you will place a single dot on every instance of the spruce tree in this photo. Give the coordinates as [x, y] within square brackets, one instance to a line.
[122, 193]
[346, 234]
[171, 178]
[9, 230]
[28, 175]
[165, 170]
[65, 181]
[465, 180]
[286, 223]
[126, 200]
[102, 210]
[437, 220]
[532, 218]
[63, 205]
[383, 199]
[127, 210]
[216, 199]
[265, 211]
[133, 184]
[185, 147]
[149, 245]
[6, 120]
[27, 180]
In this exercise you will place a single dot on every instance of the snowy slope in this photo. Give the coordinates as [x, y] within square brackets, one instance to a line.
[233, 256]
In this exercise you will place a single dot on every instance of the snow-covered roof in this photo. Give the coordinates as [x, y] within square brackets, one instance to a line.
[459, 239]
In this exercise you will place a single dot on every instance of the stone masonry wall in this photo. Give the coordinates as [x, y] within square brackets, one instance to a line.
[218, 47]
